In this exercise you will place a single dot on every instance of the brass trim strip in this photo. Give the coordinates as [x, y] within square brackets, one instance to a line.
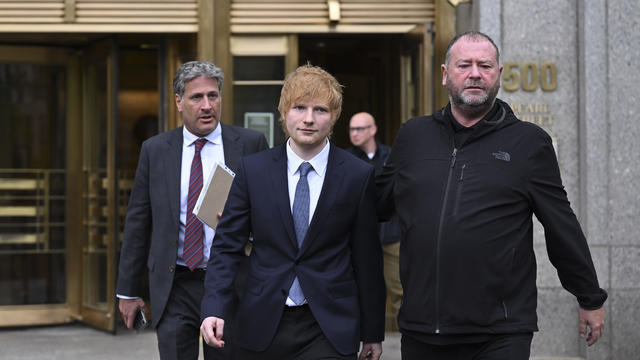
[19, 211]
[98, 28]
[326, 28]
[258, 82]
[19, 239]
[137, 5]
[21, 315]
[20, 184]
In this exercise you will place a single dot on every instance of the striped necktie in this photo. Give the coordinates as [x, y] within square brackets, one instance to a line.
[192, 250]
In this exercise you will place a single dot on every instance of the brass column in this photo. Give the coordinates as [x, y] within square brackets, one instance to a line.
[445, 30]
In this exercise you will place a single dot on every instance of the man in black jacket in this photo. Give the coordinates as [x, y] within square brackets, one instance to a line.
[465, 183]
[362, 133]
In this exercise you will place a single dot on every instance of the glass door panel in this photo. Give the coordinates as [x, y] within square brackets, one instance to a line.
[257, 82]
[33, 246]
[138, 119]
[115, 123]
[417, 76]
[138, 115]
[259, 65]
[99, 195]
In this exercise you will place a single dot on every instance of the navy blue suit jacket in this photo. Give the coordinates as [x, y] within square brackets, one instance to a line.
[339, 264]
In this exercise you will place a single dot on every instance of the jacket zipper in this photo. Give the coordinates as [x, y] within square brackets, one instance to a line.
[456, 205]
[504, 307]
[439, 238]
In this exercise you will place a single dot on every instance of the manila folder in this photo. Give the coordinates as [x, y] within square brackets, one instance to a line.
[213, 195]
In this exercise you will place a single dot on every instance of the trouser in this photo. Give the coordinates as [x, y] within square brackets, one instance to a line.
[178, 331]
[391, 258]
[501, 347]
[298, 337]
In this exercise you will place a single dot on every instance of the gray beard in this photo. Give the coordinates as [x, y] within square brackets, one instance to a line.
[475, 107]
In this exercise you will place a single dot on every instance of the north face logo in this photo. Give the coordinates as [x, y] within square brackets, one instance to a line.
[501, 155]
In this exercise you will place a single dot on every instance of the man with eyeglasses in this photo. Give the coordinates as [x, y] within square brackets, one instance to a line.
[362, 133]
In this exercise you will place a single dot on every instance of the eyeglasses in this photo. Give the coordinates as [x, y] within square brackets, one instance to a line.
[359, 128]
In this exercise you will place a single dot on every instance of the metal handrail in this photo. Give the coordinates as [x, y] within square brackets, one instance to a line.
[25, 202]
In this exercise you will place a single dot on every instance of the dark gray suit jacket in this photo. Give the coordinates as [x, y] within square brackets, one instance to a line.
[153, 217]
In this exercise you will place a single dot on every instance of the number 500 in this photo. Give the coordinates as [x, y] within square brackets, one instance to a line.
[527, 77]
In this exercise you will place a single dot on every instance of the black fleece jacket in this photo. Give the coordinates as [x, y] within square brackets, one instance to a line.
[466, 259]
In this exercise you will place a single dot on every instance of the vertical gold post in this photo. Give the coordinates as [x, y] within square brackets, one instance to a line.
[291, 59]
[69, 11]
[74, 182]
[445, 30]
[46, 186]
[427, 96]
[223, 58]
[206, 30]
[112, 232]
[173, 120]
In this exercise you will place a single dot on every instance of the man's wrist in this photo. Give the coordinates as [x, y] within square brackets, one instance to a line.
[127, 297]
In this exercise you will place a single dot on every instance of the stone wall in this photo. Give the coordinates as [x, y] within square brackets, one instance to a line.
[593, 114]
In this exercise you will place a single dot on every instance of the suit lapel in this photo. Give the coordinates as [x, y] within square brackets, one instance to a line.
[280, 184]
[332, 182]
[173, 162]
[232, 147]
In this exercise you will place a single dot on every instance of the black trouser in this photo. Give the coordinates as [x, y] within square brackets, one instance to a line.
[298, 337]
[501, 347]
[179, 329]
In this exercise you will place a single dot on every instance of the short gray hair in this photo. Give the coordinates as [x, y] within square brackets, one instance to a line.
[473, 36]
[193, 69]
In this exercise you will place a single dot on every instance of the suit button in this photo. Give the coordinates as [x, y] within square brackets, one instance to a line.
[172, 268]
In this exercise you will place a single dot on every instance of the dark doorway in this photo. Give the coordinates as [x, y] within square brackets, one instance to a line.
[368, 67]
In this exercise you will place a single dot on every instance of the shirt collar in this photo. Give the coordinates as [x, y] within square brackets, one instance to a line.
[215, 136]
[319, 162]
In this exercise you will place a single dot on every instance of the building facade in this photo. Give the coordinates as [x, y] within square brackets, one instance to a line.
[84, 82]
[571, 67]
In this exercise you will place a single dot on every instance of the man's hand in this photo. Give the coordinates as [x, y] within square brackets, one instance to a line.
[212, 329]
[129, 309]
[594, 319]
[371, 351]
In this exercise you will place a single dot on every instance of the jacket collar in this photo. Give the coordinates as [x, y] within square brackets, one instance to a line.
[493, 121]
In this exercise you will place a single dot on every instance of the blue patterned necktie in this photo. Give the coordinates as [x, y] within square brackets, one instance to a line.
[301, 223]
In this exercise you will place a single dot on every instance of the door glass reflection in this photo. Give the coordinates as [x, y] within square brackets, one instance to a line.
[32, 184]
[96, 185]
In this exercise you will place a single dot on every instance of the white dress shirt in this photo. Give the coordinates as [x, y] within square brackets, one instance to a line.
[212, 152]
[315, 178]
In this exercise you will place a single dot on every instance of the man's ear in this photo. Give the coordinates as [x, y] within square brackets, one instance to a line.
[444, 74]
[374, 129]
[178, 102]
